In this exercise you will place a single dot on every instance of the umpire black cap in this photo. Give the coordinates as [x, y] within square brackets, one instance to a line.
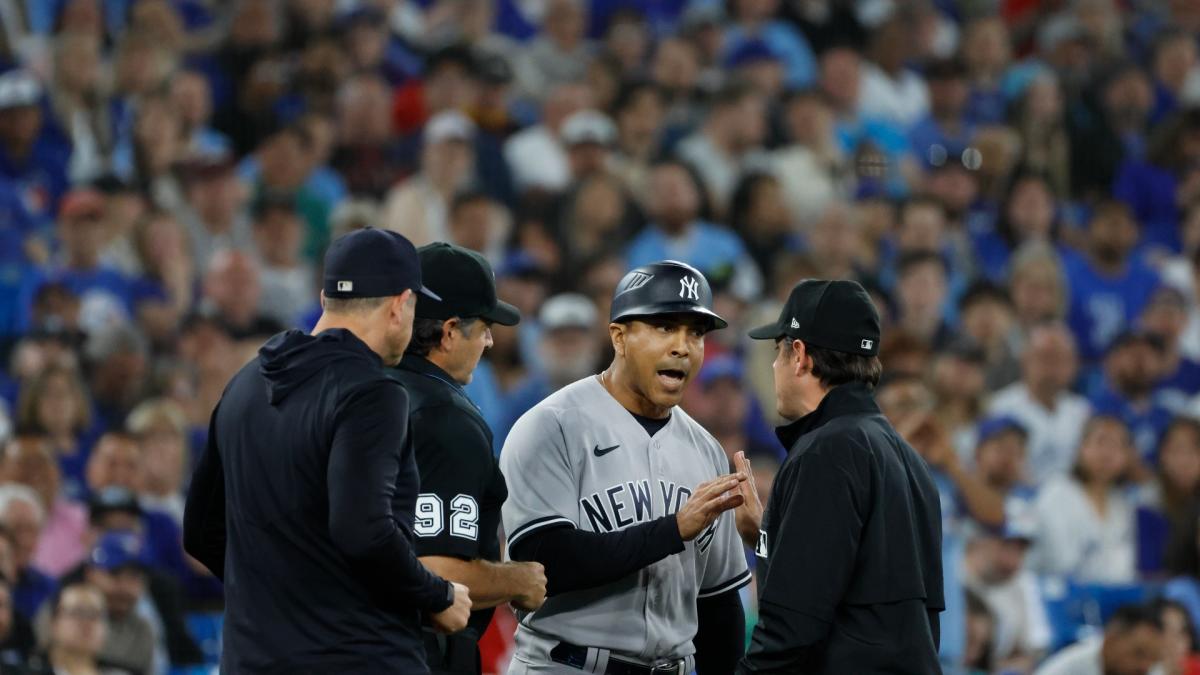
[666, 287]
[372, 263]
[832, 314]
[466, 283]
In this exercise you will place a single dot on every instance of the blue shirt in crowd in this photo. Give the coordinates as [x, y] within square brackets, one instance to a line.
[1102, 306]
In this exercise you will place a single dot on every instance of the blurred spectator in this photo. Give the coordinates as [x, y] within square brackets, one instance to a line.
[54, 404]
[115, 568]
[78, 632]
[570, 352]
[1132, 367]
[1085, 522]
[16, 635]
[192, 97]
[117, 359]
[116, 460]
[1158, 189]
[1027, 214]
[989, 321]
[836, 242]
[103, 291]
[368, 154]
[1166, 318]
[233, 292]
[994, 568]
[921, 289]
[560, 53]
[285, 162]
[149, 154]
[812, 166]
[1133, 643]
[1039, 285]
[956, 377]
[759, 214]
[987, 53]
[49, 537]
[589, 137]
[22, 516]
[478, 222]
[946, 125]
[536, 154]
[214, 215]
[1109, 288]
[160, 427]
[597, 218]
[638, 112]
[890, 91]
[164, 291]
[1000, 452]
[1040, 119]
[1109, 124]
[1179, 638]
[730, 139]
[676, 67]
[77, 98]
[981, 625]
[721, 403]
[1043, 402]
[287, 280]
[756, 20]
[417, 207]
[30, 158]
[677, 232]
[115, 508]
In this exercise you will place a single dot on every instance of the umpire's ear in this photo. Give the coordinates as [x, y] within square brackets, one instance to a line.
[616, 331]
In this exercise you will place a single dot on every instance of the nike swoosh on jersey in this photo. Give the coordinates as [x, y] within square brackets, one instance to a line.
[600, 452]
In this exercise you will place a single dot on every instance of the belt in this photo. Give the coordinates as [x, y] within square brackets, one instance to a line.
[576, 657]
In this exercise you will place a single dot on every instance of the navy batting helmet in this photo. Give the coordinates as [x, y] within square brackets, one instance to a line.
[666, 287]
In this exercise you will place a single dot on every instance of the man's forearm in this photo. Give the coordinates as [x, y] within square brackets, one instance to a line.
[491, 583]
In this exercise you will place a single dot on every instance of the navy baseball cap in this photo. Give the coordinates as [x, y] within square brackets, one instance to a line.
[994, 426]
[118, 550]
[372, 263]
[465, 283]
[831, 314]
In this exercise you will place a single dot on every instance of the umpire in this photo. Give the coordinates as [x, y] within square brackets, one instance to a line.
[462, 489]
[303, 502]
[849, 549]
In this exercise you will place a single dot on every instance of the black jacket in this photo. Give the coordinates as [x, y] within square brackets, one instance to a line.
[303, 505]
[849, 556]
[462, 491]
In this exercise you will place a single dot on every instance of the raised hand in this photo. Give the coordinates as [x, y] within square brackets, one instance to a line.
[711, 499]
[749, 515]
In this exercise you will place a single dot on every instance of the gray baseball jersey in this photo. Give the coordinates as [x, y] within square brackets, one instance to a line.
[580, 458]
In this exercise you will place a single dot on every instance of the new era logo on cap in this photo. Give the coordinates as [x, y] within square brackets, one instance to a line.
[795, 324]
[868, 344]
[345, 286]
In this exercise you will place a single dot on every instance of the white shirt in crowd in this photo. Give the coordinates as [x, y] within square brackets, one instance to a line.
[1053, 434]
[538, 160]
[904, 100]
[1073, 540]
[1021, 621]
[1081, 658]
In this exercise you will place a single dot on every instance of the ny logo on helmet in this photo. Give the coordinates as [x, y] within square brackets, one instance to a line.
[689, 288]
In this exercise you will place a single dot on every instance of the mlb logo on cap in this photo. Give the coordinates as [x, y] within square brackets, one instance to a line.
[867, 344]
[345, 286]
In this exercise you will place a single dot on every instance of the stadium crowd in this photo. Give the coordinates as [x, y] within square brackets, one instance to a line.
[1016, 182]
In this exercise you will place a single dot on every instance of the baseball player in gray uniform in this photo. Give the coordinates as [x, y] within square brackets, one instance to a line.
[623, 498]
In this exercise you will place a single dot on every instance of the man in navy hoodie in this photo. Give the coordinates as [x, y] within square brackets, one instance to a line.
[303, 501]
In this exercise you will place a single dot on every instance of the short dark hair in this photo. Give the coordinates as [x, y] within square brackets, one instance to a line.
[353, 305]
[982, 291]
[914, 259]
[428, 333]
[833, 368]
[468, 196]
[1128, 617]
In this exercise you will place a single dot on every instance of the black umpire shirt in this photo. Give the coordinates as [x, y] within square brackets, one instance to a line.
[849, 556]
[462, 490]
[303, 505]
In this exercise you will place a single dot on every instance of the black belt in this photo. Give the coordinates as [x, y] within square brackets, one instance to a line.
[576, 657]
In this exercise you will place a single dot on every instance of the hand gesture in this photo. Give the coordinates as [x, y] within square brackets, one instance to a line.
[532, 584]
[711, 499]
[454, 618]
[749, 515]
